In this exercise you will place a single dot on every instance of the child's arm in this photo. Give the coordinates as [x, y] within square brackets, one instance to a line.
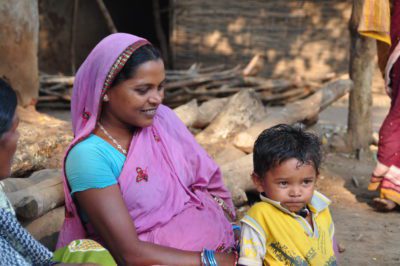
[334, 242]
[252, 245]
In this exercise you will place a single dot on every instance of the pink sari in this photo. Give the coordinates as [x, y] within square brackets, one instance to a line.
[389, 134]
[167, 180]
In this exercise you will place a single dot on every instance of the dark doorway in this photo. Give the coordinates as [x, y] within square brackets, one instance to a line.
[58, 55]
[139, 18]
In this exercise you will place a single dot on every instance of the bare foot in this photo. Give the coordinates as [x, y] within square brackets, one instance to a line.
[384, 205]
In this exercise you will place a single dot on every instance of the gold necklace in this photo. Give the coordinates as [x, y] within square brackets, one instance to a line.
[119, 147]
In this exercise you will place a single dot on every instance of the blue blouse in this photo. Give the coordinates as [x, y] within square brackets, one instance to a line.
[93, 163]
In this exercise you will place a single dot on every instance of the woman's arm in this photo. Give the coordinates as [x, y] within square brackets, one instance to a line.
[110, 218]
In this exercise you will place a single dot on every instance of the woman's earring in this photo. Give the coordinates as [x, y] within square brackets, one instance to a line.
[105, 98]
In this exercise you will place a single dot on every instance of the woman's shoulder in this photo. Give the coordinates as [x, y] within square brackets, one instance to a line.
[93, 157]
[90, 146]
[91, 142]
[94, 150]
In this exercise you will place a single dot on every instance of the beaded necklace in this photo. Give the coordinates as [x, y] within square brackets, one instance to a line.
[119, 147]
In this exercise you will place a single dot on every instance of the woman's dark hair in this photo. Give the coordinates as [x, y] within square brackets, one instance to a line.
[140, 56]
[282, 142]
[8, 105]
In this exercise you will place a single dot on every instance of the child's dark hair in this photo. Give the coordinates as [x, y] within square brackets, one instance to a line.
[8, 105]
[140, 56]
[282, 142]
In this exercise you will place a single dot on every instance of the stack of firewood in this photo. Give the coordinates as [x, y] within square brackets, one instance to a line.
[55, 90]
[38, 202]
[202, 84]
[227, 128]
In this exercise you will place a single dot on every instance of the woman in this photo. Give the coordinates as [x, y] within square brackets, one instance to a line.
[374, 23]
[17, 246]
[135, 178]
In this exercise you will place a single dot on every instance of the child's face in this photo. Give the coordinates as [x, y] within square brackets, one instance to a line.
[291, 183]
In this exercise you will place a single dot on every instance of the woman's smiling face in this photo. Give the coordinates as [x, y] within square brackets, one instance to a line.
[135, 100]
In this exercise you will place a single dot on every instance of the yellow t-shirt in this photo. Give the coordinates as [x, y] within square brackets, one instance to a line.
[272, 235]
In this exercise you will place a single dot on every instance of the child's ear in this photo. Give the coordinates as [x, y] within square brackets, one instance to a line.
[257, 182]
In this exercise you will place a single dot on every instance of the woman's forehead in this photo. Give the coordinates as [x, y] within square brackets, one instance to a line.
[151, 71]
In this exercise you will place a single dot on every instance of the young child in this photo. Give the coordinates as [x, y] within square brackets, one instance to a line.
[292, 224]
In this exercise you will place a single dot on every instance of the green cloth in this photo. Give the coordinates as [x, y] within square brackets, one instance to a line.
[84, 251]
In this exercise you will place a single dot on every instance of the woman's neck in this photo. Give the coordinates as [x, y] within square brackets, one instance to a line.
[115, 132]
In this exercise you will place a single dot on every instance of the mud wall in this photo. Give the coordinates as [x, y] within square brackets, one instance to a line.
[299, 37]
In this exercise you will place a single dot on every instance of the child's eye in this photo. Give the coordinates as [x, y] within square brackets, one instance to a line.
[161, 88]
[283, 184]
[307, 182]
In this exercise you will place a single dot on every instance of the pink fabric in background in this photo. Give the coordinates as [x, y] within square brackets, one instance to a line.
[389, 134]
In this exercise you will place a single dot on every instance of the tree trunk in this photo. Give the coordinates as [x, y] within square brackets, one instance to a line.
[362, 53]
[19, 20]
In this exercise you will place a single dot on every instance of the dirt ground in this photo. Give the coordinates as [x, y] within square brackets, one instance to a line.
[369, 237]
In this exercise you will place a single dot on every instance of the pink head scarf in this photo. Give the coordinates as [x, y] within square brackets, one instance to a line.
[91, 81]
[167, 179]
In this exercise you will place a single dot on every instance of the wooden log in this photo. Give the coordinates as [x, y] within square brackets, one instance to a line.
[236, 175]
[188, 112]
[195, 70]
[200, 79]
[36, 200]
[294, 112]
[51, 79]
[15, 184]
[47, 227]
[62, 96]
[42, 143]
[255, 66]
[242, 111]
[269, 84]
[208, 110]
[228, 154]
